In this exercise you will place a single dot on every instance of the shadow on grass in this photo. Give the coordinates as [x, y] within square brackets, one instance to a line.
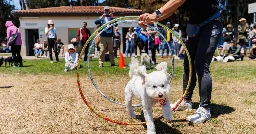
[27, 65]
[161, 127]
[217, 109]
[6, 86]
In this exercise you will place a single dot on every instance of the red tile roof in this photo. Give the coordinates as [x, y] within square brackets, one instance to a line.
[75, 11]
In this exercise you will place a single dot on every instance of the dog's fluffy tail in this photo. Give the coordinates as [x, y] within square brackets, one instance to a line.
[135, 68]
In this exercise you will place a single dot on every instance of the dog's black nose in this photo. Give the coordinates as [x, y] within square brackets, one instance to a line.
[160, 95]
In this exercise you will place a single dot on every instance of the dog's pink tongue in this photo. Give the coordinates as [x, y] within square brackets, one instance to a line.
[162, 102]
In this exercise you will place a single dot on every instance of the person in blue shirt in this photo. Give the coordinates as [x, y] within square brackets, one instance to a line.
[106, 40]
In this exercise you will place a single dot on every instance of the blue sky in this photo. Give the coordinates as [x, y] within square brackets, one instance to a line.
[17, 4]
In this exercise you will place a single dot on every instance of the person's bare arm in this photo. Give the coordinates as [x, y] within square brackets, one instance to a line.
[152, 32]
[144, 32]
[167, 10]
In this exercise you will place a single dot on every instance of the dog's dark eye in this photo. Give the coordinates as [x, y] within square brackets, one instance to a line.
[154, 86]
[162, 85]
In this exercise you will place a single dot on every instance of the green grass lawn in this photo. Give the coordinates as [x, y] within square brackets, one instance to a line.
[219, 70]
[240, 69]
[43, 66]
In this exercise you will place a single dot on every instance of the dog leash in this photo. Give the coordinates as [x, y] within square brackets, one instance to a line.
[102, 28]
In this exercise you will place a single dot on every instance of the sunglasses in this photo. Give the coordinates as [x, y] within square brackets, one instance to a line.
[106, 9]
[71, 49]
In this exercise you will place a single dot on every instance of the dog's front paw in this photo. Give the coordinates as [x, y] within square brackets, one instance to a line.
[166, 120]
[132, 115]
[169, 118]
[151, 132]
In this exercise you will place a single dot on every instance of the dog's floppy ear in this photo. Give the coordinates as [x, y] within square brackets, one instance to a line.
[162, 67]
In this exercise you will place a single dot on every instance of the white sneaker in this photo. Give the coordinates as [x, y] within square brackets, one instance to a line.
[65, 70]
[200, 116]
[176, 57]
[51, 61]
[184, 106]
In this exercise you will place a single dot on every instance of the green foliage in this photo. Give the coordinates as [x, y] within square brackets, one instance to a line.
[5, 14]
[47, 3]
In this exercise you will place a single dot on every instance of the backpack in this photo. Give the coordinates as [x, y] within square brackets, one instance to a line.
[13, 38]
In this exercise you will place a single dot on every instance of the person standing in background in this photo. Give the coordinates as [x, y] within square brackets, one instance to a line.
[106, 37]
[82, 36]
[243, 29]
[176, 42]
[129, 42]
[50, 32]
[16, 47]
[117, 41]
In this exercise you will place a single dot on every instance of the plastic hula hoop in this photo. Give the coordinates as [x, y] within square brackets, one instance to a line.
[78, 71]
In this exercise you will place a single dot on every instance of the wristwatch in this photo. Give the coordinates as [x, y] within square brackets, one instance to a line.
[158, 13]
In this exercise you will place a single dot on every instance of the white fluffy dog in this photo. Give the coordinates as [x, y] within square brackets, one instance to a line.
[217, 58]
[149, 89]
[229, 58]
[146, 60]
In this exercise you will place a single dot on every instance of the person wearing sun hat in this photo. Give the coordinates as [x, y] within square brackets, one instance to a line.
[16, 45]
[228, 36]
[50, 32]
[71, 58]
[243, 29]
[175, 41]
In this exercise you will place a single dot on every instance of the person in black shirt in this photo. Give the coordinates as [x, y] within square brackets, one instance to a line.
[228, 37]
[201, 45]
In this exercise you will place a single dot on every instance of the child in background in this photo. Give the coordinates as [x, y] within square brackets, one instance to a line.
[71, 58]
[157, 42]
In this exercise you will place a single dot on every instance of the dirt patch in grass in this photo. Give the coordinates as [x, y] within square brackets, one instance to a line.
[52, 104]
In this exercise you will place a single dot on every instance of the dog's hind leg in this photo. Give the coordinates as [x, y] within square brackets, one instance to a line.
[167, 110]
[128, 102]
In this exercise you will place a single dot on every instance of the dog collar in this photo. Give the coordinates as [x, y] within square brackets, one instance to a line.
[162, 102]
[143, 82]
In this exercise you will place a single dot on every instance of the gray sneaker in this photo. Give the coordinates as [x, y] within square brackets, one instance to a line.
[200, 116]
[184, 106]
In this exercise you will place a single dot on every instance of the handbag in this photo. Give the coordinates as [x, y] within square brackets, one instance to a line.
[193, 29]
[13, 38]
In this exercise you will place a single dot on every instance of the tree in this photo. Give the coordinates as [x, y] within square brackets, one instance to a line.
[239, 9]
[43, 3]
[5, 14]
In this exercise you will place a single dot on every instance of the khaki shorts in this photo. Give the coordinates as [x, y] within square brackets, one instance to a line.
[226, 46]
